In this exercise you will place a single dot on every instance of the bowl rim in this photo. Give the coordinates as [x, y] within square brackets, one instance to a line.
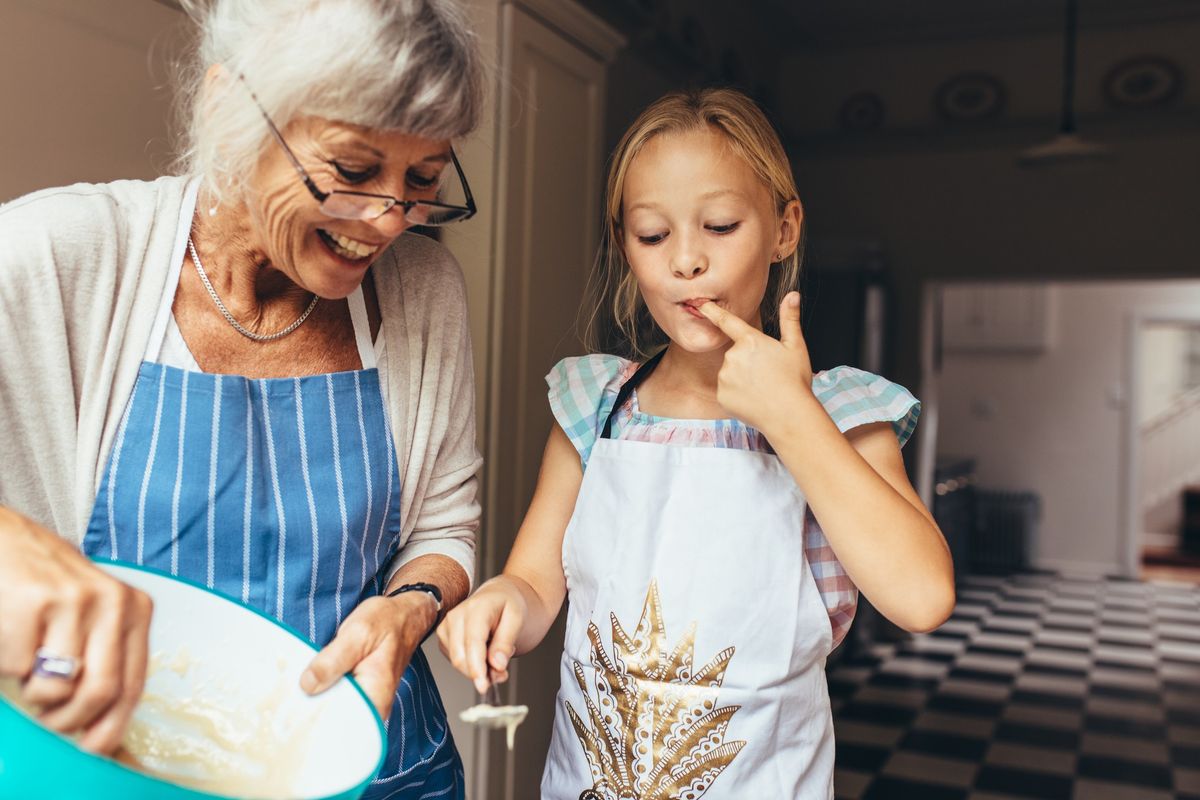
[356, 790]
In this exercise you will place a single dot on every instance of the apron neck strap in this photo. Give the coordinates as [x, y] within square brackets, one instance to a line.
[362, 328]
[628, 388]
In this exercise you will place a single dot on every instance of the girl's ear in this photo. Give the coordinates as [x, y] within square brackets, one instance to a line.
[789, 229]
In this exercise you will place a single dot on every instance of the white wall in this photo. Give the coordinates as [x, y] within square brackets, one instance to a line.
[1051, 422]
[83, 85]
[1162, 367]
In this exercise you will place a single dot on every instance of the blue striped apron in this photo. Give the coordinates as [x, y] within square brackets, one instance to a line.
[284, 493]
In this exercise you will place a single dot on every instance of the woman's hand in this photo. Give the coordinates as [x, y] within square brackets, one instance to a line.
[54, 599]
[375, 644]
[762, 381]
[479, 636]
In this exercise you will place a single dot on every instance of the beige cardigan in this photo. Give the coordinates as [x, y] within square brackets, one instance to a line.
[82, 272]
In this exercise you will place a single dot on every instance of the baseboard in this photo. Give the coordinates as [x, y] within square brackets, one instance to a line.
[1082, 569]
[1164, 541]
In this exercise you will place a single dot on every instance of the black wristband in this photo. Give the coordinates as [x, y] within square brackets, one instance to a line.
[428, 588]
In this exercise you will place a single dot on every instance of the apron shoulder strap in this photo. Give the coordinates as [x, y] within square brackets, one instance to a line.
[627, 389]
[362, 328]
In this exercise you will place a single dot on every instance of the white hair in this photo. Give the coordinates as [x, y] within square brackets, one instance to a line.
[402, 65]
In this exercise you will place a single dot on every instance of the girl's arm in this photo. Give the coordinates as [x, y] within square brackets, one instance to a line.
[511, 613]
[876, 524]
[855, 482]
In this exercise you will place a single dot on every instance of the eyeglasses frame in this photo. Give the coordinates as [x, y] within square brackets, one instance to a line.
[407, 205]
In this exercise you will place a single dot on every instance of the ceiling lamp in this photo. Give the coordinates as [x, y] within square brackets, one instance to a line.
[1068, 145]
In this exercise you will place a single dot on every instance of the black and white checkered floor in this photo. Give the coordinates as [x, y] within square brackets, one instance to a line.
[1037, 687]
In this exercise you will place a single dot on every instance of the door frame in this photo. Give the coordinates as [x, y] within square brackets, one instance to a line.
[1129, 540]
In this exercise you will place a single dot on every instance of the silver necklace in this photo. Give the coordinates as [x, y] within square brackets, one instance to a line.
[258, 337]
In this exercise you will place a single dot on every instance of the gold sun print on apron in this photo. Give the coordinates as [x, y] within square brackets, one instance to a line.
[654, 731]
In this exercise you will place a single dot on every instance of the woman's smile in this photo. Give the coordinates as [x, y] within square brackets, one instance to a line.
[358, 253]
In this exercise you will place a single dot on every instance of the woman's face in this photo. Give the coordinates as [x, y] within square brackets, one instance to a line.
[699, 226]
[321, 254]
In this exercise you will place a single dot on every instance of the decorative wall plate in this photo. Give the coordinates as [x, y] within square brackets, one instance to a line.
[1143, 82]
[862, 111]
[970, 97]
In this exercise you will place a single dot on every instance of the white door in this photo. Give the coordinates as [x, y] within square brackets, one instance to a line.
[550, 164]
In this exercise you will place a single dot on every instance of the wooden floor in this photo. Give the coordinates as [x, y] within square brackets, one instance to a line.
[1160, 564]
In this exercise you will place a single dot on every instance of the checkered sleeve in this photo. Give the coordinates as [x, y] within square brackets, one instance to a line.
[582, 391]
[853, 397]
[838, 592]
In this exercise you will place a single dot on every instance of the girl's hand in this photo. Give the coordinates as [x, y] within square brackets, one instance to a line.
[375, 644]
[479, 636]
[55, 598]
[762, 381]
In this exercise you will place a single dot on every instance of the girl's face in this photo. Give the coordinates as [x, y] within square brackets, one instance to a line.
[324, 255]
[699, 226]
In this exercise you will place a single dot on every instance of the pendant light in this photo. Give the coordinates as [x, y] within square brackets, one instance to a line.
[1068, 145]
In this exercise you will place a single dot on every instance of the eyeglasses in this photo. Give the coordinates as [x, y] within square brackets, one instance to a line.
[343, 204]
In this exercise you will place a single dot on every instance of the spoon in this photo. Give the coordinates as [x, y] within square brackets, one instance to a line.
[491, 714]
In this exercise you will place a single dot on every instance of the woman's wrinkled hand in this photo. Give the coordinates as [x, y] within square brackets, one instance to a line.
[54, 599]
[479, 636]
[374, 644]
[763, 380]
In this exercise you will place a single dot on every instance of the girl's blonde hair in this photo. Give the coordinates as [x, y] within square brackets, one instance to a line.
[619, 321]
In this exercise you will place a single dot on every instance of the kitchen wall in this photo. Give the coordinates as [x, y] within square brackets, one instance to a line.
[1051, 422]
[950, 202]
[84, 87]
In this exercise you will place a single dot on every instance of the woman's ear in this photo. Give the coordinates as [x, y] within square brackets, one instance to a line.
[215, 75]
[790, 222]
[217, 80]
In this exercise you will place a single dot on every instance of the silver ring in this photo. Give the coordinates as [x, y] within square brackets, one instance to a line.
[52, 665]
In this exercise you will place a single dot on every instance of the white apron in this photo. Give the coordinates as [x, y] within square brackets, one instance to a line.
[696, 636]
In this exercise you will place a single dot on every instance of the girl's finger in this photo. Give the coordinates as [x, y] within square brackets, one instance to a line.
[504, 639]
[789, 320]
[731, 325]
[455, 647]
[477, 632]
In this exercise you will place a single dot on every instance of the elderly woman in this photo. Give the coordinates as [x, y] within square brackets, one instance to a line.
[249, 377]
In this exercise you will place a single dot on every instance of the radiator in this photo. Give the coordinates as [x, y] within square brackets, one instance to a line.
[1005, 528]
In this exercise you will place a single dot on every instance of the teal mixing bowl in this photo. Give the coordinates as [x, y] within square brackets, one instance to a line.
[222, 712]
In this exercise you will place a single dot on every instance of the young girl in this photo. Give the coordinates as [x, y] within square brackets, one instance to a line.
[680, 491]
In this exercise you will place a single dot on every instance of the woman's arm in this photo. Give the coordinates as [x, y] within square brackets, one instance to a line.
[510, 614]
[377, 640]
